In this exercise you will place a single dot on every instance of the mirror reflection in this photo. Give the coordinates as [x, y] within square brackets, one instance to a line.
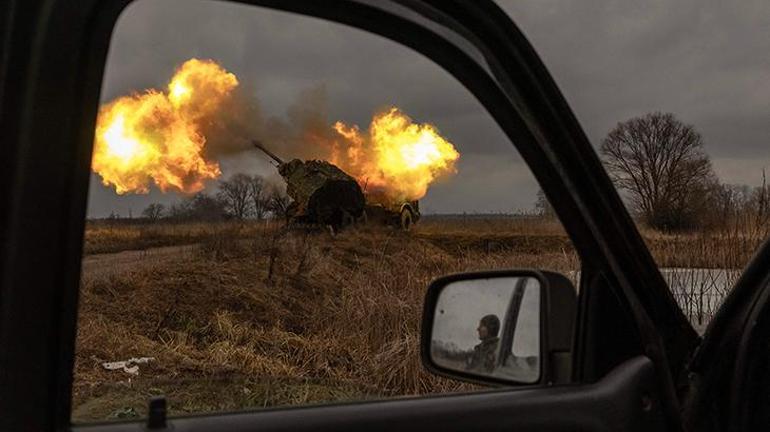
[489, 327]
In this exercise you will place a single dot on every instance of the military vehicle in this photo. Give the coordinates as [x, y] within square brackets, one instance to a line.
[402, 214]
[322, 193]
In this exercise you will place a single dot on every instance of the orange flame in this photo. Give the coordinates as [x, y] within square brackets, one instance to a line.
[155, 136]
[398, 160]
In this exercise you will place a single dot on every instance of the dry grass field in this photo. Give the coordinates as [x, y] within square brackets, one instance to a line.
[245, 315]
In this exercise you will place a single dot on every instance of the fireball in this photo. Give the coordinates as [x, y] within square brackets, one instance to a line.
[154, 137]
[398, 160]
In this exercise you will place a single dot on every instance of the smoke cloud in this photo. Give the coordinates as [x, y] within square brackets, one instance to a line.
[393, 158]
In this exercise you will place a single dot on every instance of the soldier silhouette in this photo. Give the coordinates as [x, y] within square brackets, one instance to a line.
[484, 357]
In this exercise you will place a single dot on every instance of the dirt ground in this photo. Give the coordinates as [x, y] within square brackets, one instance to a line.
[118, 264]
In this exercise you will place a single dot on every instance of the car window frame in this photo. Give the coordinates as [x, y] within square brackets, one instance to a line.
[38, 325]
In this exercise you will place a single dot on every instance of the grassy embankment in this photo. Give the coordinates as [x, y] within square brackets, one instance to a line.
[252, 315]
[257, 316]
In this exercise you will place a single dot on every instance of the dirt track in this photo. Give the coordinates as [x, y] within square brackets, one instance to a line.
[107, 265]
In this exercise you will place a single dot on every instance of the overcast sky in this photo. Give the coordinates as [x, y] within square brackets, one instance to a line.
[707, 62]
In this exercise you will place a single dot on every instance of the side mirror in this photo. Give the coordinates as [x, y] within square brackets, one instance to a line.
[500, 327]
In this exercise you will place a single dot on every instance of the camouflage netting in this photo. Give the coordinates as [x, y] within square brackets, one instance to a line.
[322, 193]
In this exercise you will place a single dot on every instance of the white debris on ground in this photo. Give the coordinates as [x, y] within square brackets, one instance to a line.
[130, 366]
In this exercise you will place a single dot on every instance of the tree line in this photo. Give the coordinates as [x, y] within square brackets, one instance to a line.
[659, 165]
[239, 197]
[656, 161]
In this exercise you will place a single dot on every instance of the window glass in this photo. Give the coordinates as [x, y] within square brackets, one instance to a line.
[673, 97]
[226, 277]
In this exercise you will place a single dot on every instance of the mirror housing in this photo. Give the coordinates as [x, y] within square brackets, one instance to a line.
[557, 311]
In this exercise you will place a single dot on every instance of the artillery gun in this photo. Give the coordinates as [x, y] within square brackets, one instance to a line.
[322, 193]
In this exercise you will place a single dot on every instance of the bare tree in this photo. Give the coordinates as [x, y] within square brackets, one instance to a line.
[729, 200]
[154, 211]
[259, 196]
[279, 203]
[660, 161]
[179, 210]
[761, 201]
[235, 193]
[199, 207]
[543, 207]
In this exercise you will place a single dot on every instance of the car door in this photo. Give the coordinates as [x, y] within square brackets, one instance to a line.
[631, 341]
[728, 378]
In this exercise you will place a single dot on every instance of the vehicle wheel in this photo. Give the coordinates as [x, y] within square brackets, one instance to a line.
[347, 219]
[406, 220]
[340, 221]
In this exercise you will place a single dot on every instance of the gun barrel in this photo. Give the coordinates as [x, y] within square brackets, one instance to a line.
[258, 145]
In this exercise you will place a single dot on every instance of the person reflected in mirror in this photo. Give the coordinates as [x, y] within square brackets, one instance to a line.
[484, 356]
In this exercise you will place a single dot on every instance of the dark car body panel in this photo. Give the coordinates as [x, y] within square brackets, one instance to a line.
[53, 60]
[612, 404]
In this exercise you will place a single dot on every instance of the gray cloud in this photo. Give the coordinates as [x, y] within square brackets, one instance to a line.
[706, 62]
[280, 57]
